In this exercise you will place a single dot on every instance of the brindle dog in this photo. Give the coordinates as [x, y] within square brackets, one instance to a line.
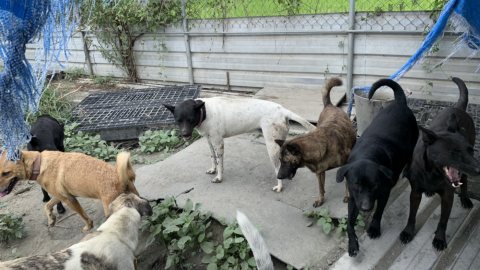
[325, 148]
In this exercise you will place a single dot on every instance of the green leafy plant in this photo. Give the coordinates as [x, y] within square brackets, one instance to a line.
[328, 224]
[73, 73]
[84, 142]
[234, 253]
[11, 227]
[158, 140]
[182, 232]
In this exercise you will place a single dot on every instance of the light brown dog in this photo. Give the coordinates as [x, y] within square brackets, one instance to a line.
[66, 176]
[111, 246]
[325, 148]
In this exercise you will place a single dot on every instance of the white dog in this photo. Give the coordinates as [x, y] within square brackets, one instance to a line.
[218, 118]
[110, 247]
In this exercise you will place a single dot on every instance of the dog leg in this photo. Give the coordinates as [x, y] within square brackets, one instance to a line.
[213, 157]
[347, 193]
[272, 133]
[415, 198]
[440, 240]
[219, 147]
[46, 197]
[48, 210]
[353, 211]
[321, 189]
[464, 197]
[73, 203]
[374, 228]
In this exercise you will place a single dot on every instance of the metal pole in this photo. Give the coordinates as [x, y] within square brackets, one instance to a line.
[351, 26]
[187, 43]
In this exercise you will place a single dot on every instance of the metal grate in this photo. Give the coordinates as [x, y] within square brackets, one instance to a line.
[131, 108]
[424, 111]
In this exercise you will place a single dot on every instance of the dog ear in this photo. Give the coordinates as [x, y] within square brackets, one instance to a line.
[293, 148]
[198, 105]
[388, 173]
[452, 123]
[341, 173]
[280, 142]
[170, 107]
[428, 136]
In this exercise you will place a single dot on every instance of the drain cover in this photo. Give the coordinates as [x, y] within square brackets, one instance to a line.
[120, 115]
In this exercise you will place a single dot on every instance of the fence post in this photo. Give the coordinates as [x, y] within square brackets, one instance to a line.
[351, 26]
[87, 54]
[187, 43]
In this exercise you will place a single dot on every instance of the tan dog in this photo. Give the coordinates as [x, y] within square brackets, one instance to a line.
[325, 148]
[69, 175]
[110, 247]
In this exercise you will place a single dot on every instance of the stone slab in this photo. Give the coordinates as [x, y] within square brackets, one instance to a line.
[247, 186]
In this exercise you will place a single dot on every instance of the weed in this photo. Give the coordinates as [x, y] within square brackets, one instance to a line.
[328, 224]
[158, 140]
[102, 79]
[233, 253]
[11, 227]
[15, 254]
[255, 91]
[73, 73]
[83, 142]
[53, 104]
[180, 231]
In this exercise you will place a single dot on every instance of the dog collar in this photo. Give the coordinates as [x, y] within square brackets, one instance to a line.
[201, 117]
[36, 168]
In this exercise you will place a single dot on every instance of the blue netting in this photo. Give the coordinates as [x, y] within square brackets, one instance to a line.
[465, 17]
[47, 23]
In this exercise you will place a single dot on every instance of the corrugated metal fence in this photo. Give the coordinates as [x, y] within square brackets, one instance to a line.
[248, 46]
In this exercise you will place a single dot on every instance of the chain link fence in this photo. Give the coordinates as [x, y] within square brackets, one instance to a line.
[292, 15]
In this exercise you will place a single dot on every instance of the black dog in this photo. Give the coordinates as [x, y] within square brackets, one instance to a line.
[376, 161]
[441, 162]
[47, 134]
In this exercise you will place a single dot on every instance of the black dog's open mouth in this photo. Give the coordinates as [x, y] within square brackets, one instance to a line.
[453, 175]
[187, 137]
[292, 174]
[10, 187]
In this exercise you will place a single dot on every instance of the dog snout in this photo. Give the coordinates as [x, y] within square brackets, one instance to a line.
[366, 206]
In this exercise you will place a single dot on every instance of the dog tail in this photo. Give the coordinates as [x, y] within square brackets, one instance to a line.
[462, 102]
[125, 172]
[258, 246]
[397, 90]
[329, 84]
[309, 127]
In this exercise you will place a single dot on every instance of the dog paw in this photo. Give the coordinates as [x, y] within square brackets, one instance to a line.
[46, 199]
[60, 208]
[52, 220]
[317, 203]
[88, 227]
[353, 248]
[345, 199]
[373, 232]
[405, 237]
[439, 244]
[466, 202]
[217, 180]
[212, 171]
[278, 189]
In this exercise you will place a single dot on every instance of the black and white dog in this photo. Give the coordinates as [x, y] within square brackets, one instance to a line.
[47, 135]
[218, 118]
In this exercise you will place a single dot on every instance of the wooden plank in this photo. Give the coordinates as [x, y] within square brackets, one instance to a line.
[476, 263]
[372, 250]
[469, 252]
[419, 254]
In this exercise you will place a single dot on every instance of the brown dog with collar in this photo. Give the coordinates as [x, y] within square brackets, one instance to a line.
[325, 148]
[66, 176]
